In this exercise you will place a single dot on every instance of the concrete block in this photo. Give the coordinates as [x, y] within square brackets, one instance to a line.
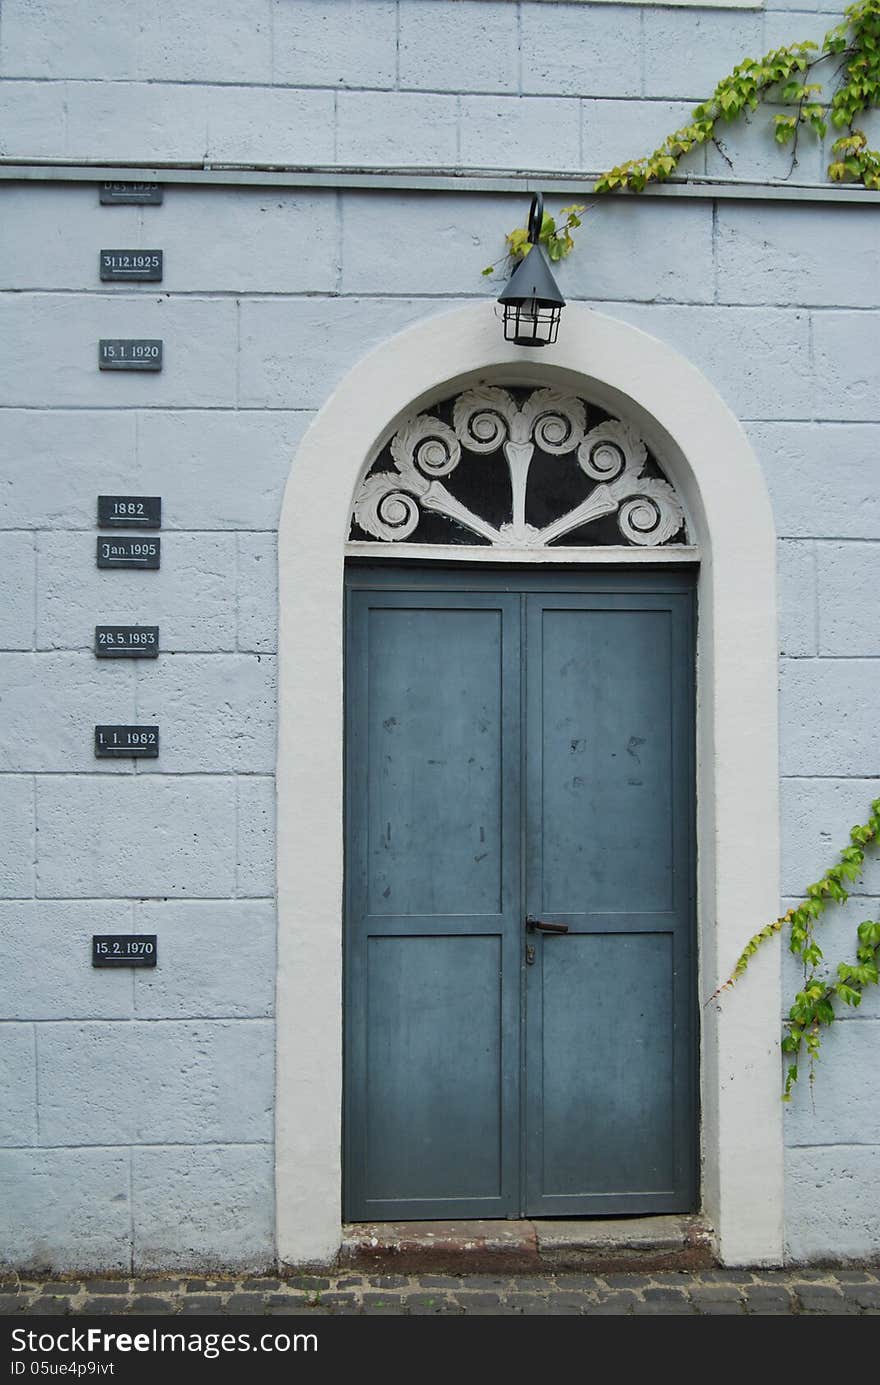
[50, 705]
[65, 1209]
[216, 712]
[837, 936]
[797, 598]
[294, 352]
[331, 44]
[687, 52]
[204, 1082]
[258, 593]
[57, 338]
[397, 128]
[65, 985]
[247, 240]
[206, 41]
[797, 23]
[581, 50]
[816, 816]
[767, 381]
[849, 580]
[847, 365]
[827, 717]
[520, 132]
[56, 462]
[216, 959]
[464, 235]
[832, 1203]
[782, 254]
[19, 843]
[203, 1208]
[32, 116]
[269, 125]
[749, 144]
[614, 131]
[18, 564]
[651, 251]
[18, 1085]
[843, 1106]
[255, 874]
[135, 836]
[60, 38]
[469, 46]
[138, 122]
[190, 597]
[823, 478]
[218, 469]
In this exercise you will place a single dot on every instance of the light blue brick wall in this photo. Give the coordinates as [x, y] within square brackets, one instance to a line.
[269, 297]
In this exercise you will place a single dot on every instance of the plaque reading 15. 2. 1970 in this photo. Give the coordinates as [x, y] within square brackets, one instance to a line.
[124, 949]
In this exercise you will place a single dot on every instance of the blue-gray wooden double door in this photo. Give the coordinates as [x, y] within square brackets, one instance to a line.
[519, 744]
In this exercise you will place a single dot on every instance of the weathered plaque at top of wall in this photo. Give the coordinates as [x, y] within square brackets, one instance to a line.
[127, 552]
[128, 194]
[131, 266]
[130, 353]
[130, 511]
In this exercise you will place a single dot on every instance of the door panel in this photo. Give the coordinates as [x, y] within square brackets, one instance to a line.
[433, 938]
[519, 743]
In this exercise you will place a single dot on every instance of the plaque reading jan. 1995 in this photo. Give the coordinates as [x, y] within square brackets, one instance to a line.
[128, 194]
[131, 266]
[126, 742]
[130, 511]
[127, 641]
[127, 552]
[130, 353]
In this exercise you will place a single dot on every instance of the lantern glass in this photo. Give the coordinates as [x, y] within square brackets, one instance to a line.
[531, 322]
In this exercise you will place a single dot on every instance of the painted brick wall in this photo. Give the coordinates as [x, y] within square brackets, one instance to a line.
[136, 1109]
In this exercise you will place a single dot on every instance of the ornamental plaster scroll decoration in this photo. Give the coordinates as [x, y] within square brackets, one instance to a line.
[425, 449]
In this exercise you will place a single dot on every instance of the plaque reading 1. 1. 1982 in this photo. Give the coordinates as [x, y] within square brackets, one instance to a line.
[124, 949]
[131, 194]
[131, 266]
[130, 353]
[126, 742]
[127, 552]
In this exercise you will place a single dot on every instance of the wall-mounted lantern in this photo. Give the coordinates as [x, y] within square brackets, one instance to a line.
[531, 299]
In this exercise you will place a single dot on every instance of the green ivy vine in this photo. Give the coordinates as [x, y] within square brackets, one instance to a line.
[783, 75]
[813, 1007]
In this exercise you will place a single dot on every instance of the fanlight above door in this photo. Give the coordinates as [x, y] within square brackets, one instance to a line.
[517, 468]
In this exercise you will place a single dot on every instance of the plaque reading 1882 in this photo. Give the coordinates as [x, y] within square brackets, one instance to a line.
[131, 266]
[126, 742]
[128, 194]
[131, 353]
[127, 552]
[130, 511]
[124, 949]
[127, 641]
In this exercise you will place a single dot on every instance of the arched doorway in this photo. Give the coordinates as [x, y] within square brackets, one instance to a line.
[708, 460]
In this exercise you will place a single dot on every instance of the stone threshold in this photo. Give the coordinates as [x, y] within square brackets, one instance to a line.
[592, 1245]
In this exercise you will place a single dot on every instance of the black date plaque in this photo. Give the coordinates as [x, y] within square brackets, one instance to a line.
[126, 742]
[127, 552]
[127, 641]
[124, 949]
[131, 194]
[130, 353]
[131, 266]
[130, 511]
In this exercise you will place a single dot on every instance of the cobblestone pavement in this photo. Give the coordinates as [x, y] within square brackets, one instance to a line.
[689, 1292]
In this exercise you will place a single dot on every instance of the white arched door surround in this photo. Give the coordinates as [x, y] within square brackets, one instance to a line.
[705, 454]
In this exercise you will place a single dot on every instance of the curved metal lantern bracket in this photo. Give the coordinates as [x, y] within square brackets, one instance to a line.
[488, 419]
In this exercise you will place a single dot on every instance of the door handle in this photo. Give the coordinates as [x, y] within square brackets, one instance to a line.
[539, 926]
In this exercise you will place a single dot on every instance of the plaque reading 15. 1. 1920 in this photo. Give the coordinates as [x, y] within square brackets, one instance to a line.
[130, 353]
